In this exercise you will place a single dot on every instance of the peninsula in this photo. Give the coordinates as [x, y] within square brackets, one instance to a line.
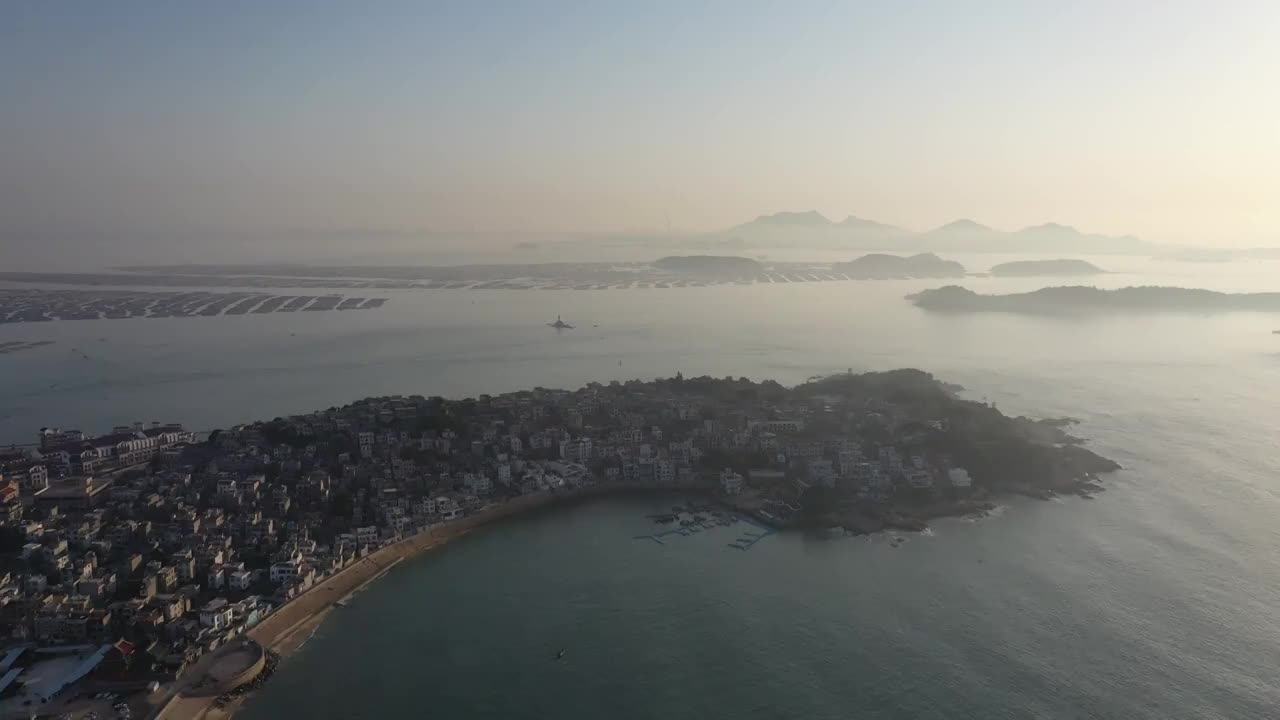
[1083, 300]
[1032, 268]
[189, 558]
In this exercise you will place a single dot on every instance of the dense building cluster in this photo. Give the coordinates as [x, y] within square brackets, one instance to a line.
[176, 542]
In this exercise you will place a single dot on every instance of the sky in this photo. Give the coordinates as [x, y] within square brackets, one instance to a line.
[244, 119]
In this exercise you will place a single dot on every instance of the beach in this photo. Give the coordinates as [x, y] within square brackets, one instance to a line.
[289, 627]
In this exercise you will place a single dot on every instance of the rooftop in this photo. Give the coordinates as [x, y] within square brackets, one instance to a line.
[73, 487]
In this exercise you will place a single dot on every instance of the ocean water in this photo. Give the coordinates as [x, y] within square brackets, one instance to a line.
[1156, 600]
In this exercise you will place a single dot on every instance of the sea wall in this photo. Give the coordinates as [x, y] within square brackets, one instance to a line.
[220, 685]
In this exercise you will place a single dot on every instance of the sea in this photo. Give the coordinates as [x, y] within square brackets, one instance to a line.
[1158, 599]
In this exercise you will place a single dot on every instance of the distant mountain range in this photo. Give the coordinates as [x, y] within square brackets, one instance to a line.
[964, 235]
[1079, 299]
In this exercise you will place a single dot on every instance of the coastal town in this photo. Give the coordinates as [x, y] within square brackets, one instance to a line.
[137, 560]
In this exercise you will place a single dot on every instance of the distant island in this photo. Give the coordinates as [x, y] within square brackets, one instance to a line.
[879, 265]
[1081, 299]
[1031, 268]
[710, 264]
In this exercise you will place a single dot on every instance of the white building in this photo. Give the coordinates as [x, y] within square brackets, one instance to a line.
[664, 472]
[775, 426]
[227, 487]
[367, 535]
[283, 572]
[477, 483]
[240, 580]
[448, 508]
[216, 614]
[730, 482]
[959, 478]
[576, 450]
[34, 477]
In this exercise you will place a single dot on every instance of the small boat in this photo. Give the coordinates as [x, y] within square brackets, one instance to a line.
[560, 655]
[560, 324]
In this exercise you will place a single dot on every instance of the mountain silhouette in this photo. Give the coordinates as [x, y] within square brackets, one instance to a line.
[811, 228]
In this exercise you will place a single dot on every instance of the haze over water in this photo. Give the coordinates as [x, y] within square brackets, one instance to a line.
[213, 372]
[1153, 601]
[402, 133]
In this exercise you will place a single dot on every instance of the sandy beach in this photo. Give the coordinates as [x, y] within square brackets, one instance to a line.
[287, 629]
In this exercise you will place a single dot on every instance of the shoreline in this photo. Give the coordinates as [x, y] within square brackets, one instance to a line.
[361, 573]
[290, 626]
[293, 624]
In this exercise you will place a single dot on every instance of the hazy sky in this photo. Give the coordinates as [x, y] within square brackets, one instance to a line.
[1160, 119]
